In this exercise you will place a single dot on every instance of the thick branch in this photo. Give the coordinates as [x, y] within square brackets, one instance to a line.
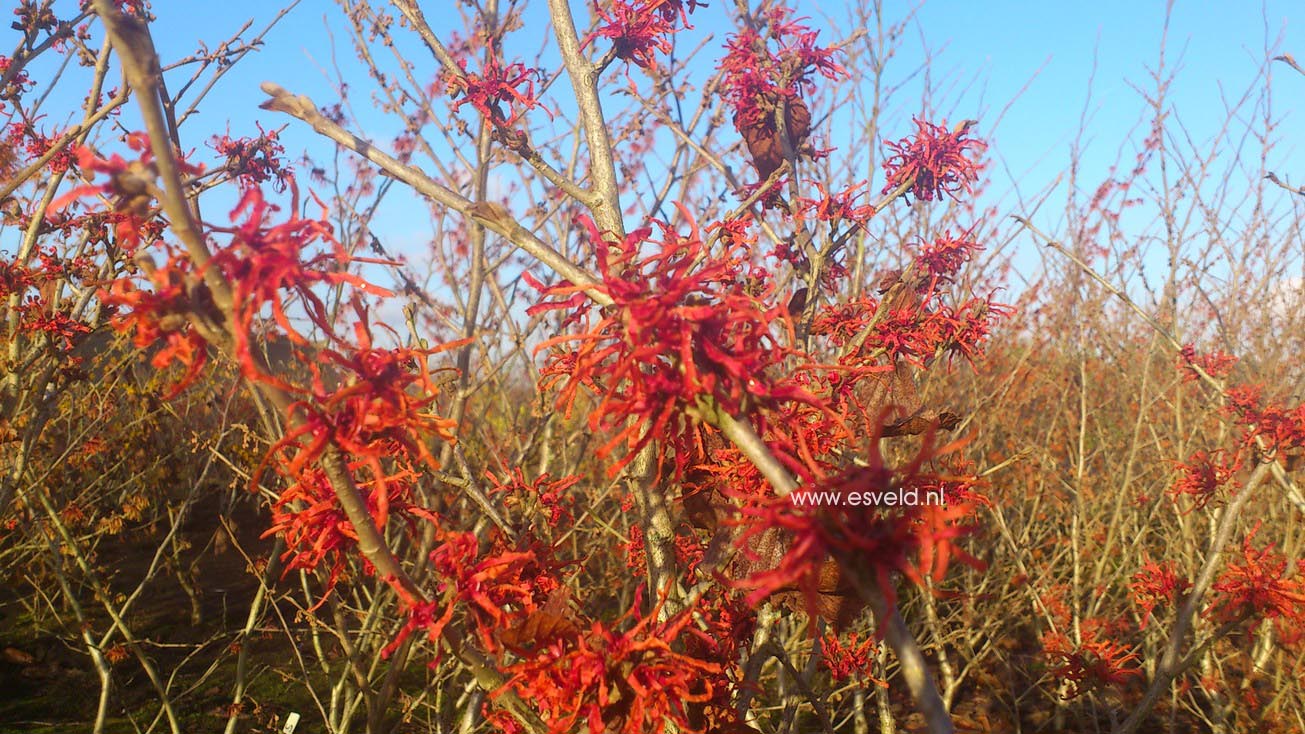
[584, 81]
[140, 67]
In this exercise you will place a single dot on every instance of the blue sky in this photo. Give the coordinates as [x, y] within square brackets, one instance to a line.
[984, 54]
[1003, 44]
[990, 49]
[1215, 47]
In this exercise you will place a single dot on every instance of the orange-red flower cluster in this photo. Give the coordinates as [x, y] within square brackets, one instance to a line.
[1257, 587]
[638, 29]
[609, 681]
[686, 324]
[1095, 663]
[934, 162]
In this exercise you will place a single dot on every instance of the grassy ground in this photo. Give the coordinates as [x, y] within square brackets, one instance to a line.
[48, 682]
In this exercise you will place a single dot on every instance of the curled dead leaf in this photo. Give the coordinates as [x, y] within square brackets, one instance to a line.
[762, 135]
[552, 622]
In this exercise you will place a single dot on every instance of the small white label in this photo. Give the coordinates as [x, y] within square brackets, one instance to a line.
[291, 722]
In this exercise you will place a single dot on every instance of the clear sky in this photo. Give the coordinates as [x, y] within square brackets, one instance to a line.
[985, 53]
[1210, 43]
[1000, 44]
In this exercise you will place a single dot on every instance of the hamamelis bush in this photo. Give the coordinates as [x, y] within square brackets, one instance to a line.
[547, 486]
[1151, 533]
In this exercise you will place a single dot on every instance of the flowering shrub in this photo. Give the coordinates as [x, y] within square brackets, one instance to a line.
[596, 502]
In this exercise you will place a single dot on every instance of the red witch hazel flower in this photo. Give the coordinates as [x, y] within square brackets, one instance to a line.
[381, 410]
[915, 540]
[552, 494]
[264, 260]
[308, 515]
[760, 81]
[852, 660]
[159, 316]
[496, 588]
[380, 416]
[934, 161]
[923, 332]
[23, 136]
[17, 84]
[626, 682]
[497, 84]
[129, 188]
[255, 160]
[1157, 584]
[685, 325]
[837, 207]
[947, 254]
[1281, 427]
[639, 28]
[1096, 663]
[1204, 474]
[1257, 587]
[1216, 364]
